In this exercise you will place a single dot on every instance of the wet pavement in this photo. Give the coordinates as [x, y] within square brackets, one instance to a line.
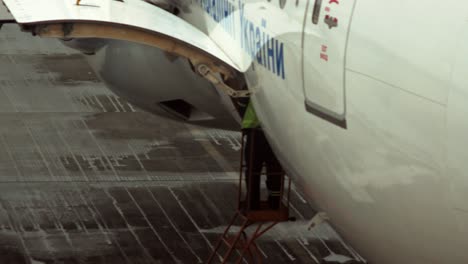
[87, 178]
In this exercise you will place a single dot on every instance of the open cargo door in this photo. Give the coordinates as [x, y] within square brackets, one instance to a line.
[131, 20]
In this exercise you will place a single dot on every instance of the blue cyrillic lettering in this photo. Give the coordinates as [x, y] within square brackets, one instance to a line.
[279, 59]
[271, 54]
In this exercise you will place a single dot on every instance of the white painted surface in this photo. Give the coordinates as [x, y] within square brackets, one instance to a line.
[135, 13]
[286, 26]
[408, 44]
[457, 130]
[324, 56]
[4, 14]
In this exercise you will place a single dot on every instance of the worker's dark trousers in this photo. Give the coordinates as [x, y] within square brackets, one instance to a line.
[257, 152]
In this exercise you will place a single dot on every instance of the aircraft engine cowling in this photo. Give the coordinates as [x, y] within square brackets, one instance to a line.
[159, 82]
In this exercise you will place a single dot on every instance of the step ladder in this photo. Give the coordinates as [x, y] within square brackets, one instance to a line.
[247, 225]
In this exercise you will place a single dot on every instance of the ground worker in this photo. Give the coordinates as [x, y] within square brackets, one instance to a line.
[258, 153]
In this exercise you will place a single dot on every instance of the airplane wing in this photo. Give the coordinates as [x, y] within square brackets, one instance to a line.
[132, 20]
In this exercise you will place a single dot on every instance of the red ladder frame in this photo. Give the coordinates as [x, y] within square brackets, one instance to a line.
[244, 244]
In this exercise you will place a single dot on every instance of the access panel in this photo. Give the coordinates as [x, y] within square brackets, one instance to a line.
[326, 28]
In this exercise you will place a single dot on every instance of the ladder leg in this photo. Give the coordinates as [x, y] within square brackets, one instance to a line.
[249, 242]
[234, 242]
[218, 244]
[260, 233]
[251, 256]
[249, 251]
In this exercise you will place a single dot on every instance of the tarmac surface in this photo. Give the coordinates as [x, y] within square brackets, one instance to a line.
[87, 178]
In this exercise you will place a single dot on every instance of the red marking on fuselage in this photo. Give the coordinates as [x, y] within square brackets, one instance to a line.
[331, 21]
[324, 56]
[334, 2]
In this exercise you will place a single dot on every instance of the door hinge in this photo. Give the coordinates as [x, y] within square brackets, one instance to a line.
[218, 82]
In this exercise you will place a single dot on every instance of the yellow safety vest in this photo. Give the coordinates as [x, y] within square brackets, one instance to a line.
[250, 118]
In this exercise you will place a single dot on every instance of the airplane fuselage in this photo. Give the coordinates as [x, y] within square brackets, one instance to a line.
[363, 101]
[365, 104]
